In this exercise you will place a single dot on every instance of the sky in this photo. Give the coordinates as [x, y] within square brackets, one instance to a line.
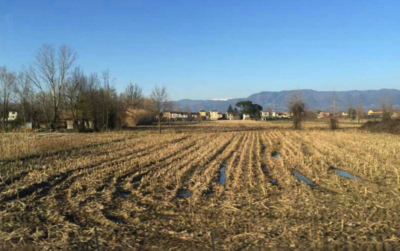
[214, 49]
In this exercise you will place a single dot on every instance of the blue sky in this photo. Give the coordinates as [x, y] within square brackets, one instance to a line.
[215, 49]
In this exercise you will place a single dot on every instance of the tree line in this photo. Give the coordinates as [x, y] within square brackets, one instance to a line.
[53, 87]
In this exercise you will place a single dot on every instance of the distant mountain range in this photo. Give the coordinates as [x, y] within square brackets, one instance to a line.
[315, 100]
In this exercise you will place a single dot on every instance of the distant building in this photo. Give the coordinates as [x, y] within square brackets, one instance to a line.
[12, 116]
[204, 114]
[375, 113]
[70, 124]
[246, 117]
[167, 115]
[322, 115]
[345, 114]
[231, 116]
[176, 116]
[341, 115]
[194, 115]
[28, 126]
[283, 115]
[269, 114]
[214, 115]
[183, 116]
[67, 120]
[70, 120]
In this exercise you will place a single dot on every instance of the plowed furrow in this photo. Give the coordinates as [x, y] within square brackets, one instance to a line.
[90, 162]
[56, 179]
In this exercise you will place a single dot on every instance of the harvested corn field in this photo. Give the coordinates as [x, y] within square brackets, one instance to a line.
[247, 186]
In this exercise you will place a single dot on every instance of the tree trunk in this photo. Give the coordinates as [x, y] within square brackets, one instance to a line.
[55, 120]
[159, 124]
[5, 115]
[23, 113]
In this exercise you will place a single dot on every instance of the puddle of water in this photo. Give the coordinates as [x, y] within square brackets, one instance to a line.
[122, 192]
[101, 188]
[125, 194]
[302, 178]
[264, 170]
[183, 193]
[70, 218]
[263, 149]
[222, 175]
[115, 219]
[271, 180]
[208, 193]
[137, 178]
[275, 155]
[344, 174]
[165, 217]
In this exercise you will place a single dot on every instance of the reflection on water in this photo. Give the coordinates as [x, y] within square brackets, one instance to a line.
[303, 178]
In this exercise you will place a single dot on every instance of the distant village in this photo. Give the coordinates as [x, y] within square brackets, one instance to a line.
[171, 116]
[267, 115]
[216, 115]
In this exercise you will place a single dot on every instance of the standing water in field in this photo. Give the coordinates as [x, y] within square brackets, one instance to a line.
[124, 194]
[183, 193]
[275, 155]
[302, 178]
[271, 180]
[222, 175]
[344, 174]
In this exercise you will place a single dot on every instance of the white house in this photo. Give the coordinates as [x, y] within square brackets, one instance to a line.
[323, 114]
[214, 115]
[231, 116]
[246, 116]
[283, 115]
[269, 114]
[176, 116]
[12, 116]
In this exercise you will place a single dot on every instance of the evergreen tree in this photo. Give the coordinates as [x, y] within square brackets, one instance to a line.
[230, 110]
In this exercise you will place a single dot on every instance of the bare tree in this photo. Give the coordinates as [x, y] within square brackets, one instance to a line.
[360, 113]
[50, 73]
[133, 96]
[107, 95]
[333, 120]
[160, 101]
[298, 108]
[92, 108]
[7, 90]
[188, 112]
[25, 94]
[74, 93]
[387, 109]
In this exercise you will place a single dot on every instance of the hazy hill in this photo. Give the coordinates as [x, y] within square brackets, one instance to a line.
[317, 100]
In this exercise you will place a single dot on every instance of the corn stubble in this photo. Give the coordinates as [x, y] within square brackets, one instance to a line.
[126, 185]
